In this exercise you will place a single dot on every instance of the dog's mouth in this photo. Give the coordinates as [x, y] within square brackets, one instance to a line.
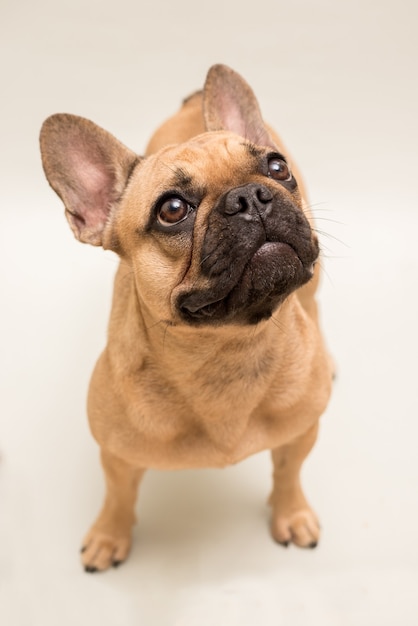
[273, 272]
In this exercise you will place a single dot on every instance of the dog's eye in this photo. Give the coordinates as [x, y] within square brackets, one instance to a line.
[278, 169]
[173, 210]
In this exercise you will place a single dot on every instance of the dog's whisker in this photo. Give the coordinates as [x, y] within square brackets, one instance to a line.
[279, 325]
[322, 233]
[328, 253]
[318, 206]
[151, 326]
[164, 335]
[329, 219]
[206, 258]
[325, 249]
[325, 271]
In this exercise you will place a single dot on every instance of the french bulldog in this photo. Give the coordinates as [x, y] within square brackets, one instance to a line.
[214, 351]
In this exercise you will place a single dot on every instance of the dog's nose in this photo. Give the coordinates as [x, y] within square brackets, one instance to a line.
[246, 199]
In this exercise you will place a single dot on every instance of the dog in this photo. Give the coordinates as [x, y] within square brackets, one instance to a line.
[214, 349]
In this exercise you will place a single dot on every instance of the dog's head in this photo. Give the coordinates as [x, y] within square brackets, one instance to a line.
[213, 228]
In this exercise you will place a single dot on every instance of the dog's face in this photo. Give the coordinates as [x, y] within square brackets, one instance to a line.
[219, 228]
[213, 228]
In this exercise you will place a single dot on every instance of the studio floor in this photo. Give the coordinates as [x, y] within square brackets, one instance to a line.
[338, 81]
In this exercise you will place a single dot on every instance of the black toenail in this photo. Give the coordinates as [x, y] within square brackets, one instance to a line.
[313, 544]
[83, 549]
[90, 569]
[117, 563]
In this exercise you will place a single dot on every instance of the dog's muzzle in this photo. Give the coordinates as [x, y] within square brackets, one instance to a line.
[257, 249]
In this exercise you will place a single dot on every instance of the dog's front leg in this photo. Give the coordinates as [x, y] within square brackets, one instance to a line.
[292, 518]
[109, 539]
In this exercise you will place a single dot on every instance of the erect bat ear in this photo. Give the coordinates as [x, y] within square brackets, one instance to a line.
[229, 103]
[88, 168]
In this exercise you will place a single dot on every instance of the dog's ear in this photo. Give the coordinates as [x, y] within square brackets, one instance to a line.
[229, 103]
[88, 168]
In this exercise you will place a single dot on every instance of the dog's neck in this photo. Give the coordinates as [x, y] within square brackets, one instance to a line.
[220, 374]
[157, 340]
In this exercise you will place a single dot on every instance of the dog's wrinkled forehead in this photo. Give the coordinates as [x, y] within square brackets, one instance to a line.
[208, 164]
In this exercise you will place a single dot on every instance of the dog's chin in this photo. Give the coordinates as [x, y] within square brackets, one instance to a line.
[274, 271]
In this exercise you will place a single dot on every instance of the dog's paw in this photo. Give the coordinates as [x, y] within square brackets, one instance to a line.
[301, 528]
[101, 551]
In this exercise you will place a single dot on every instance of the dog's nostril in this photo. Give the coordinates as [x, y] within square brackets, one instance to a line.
[244, 200]
[236, 204]
[264, 195]
[243, 204]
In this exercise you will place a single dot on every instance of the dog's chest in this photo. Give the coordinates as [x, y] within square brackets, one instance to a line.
[213, 422]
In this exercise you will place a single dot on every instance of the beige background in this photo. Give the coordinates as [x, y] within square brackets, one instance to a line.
[339, 81]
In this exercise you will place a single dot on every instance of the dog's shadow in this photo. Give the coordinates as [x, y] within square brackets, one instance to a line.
[213, 519]
[199, 529]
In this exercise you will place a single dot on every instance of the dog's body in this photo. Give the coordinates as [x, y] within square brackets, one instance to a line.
[214, 351]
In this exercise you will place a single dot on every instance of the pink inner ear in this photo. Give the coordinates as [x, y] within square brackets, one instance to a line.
[92, 188]
[231, 116]
[234, 116]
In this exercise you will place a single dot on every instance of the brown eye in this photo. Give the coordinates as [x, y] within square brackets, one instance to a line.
[173, 210]
[278, 169]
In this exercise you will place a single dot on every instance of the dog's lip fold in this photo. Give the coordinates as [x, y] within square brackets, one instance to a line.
[205, 308]
[198, 307]
[205, 305]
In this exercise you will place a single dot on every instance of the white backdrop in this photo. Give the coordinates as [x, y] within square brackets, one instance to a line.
[338, 81]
